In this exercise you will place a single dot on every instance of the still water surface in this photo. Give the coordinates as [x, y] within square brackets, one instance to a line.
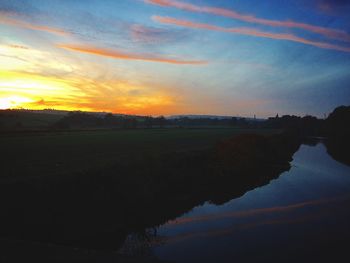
[303, 214]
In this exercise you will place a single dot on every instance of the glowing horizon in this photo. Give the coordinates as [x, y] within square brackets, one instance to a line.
[166, 57]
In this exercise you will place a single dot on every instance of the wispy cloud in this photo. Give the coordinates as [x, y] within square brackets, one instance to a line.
[140, 33]
[327, 32]
[18, 46]
[330, 6]
[248, 31]
[128, 56]
[31, 26]
[151, 35]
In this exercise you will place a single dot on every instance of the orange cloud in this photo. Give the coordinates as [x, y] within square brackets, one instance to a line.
[19, 23]
[330, 33]
[128, 56]
[250, 32]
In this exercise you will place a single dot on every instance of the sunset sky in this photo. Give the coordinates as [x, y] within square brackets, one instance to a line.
[163, 57]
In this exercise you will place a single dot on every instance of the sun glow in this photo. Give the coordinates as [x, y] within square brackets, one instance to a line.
[23, 90]
[13, 102]
[31, 91]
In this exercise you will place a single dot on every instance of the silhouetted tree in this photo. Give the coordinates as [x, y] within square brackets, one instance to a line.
[233, 121]
[338, 122]
[149, 122]
[337, 129]
[160, 121]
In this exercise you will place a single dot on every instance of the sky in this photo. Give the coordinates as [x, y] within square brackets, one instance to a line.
[167, 57]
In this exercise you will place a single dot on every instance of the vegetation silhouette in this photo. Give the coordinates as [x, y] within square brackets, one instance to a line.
[48, 120]
[337, 131]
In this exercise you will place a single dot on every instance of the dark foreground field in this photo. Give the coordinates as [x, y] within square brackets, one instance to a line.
[26, 154]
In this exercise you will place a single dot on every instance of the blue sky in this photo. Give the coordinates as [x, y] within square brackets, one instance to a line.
[176, 57]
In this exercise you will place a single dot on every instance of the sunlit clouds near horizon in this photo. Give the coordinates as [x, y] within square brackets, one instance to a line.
[164, 57]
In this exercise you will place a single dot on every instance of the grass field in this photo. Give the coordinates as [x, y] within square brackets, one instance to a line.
[27, 119]
[63, 153]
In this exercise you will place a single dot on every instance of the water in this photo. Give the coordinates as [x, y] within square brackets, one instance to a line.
[302, 214]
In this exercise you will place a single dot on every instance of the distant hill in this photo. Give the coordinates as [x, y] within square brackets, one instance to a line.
[219, 117]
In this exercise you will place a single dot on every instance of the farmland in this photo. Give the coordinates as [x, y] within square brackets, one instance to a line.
[62, 153]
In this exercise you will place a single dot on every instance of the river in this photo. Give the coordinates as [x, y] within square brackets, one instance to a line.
[302, 215]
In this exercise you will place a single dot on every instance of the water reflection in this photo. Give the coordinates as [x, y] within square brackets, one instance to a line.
[253, 212]
[302, 211]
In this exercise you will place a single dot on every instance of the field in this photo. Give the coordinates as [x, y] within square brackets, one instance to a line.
[27, 119]
[62, 153]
